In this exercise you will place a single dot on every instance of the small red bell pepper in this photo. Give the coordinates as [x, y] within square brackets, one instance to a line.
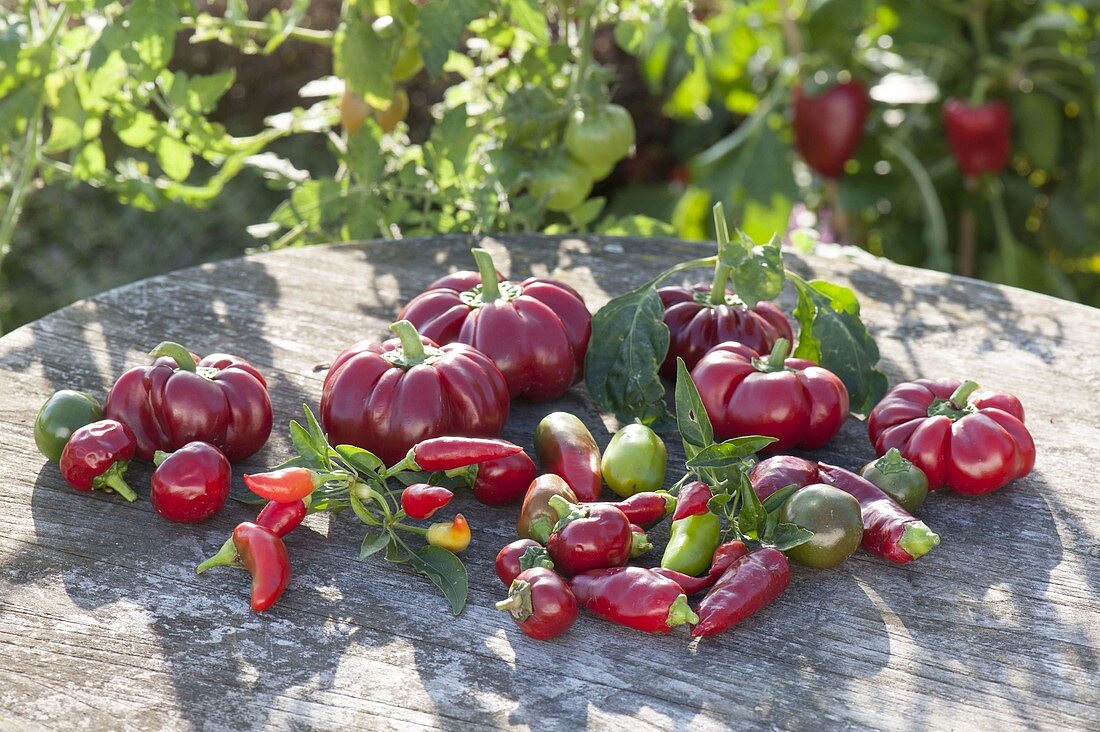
[503, 481]
[220, 399]
[264, 555]
[748, 585]
[420, 500]
[191, 484]
[588, 536]
[980, 135]
[725, 555]
[648, 508]
[96, 457]
[780, 471]
[285, 486]
[828, 126]
[793, 400]
[520, 555]
[566, 448]
[634, 597]
[692, 500]
[451, 453]
[386, 397]
[541, 604]
[971, 440]
[453, 535]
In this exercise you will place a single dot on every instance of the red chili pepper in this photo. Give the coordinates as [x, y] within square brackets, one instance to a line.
[541, 604]
[793, 400]
[692, 500]
[222, 400]
[280, 518]
[648, 508]
[536, 517]
[634, 597]
[264, 555]
[536, 331]
[747, 585]
[695, 325]
[504, 481]
[518, 556]
[453, 535]
[449, 453]
[780, 471]
[96, 457]
[191, 484]
[980, 135]
[588, 536]
[386, 397]
[420, 500]
[888, 529]
[828, 127]
[725, 555]
[567, 449]
[971, 440]
[286, 485]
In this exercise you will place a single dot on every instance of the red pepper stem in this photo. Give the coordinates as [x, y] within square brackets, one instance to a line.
[778, 355]
[490, 285]
[680, 613]
[114, 480]
[411, 345]
[225, 556]
[960, 395]
[177, 353]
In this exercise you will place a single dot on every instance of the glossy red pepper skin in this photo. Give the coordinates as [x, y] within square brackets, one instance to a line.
[889, 531]
[451, 453]
[590, 536]
[828, 126]
[980, 136]
[191, 484]
[282, 518]
[695, 326]
[725, 555]
[372, 402]
[420, 500]
[633, 596]
[647, 509]
[512, 557]
[286, 485]
[748, 585]
[692, 500]
[264, 555]
[780, 471]
[224, 401]
[566, 448]
[504, 481]
[536, 331]
[96, 457]
[973, 448]
[793, 400]
[541, 604]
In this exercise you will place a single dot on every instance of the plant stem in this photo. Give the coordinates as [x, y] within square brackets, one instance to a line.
[582, 49]
[260, 29]
[411, 529]
[968, 235]
[790, 29]
[721, 271]
[490, 284]
[411, 345]
[1006, 240]
[840, 216]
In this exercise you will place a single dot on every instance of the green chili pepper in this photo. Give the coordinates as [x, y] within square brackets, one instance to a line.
[634, 461]
[691, 544]
[63, 413]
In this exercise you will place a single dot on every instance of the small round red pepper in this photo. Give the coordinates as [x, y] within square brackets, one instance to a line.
[588, 536]
[980, 135]
[451, 453]
[420, 500]
[828, 126]
[541, 604]
[285, 486]
[634, 597]
[454, 536]
[191, 484]
[96, 457]
[748, 585]
[518, 556]
[692, 500]
[264, 555]
[503, 481]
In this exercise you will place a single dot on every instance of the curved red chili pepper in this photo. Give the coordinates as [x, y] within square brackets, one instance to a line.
[647, 508]
[449, 453]
[264, 555]
[692, 500]
[280, 518]
[747, 585]
[725, 555]
[420, 500]
[634, 597]
[286, 485]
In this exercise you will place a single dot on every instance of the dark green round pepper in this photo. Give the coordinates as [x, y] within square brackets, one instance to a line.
[64, 412]
[835, 518]
[691, 544]
[634, 461]
[898, 478]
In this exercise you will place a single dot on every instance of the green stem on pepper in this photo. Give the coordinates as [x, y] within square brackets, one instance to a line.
[177, 353]
[411, 345]
[721, 271]
[963, 392]
[490, 285]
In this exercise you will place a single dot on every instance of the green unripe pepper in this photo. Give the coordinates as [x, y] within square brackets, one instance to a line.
[63, 413]
[634, 461]
[691, 544]
[834, 517]
[898, 478]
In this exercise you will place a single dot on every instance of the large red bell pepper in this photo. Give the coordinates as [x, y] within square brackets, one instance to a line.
[387, 397]
[828, 126]
[969, 439]
[220, 399]
[536, 331]
[980, 135]
[793, 400]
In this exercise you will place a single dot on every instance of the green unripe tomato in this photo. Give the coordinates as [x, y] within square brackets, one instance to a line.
[600, 137]
[562, 183]
[634, 461]
[62, 414]
[691, 544]
[898, 478]
[835, 519]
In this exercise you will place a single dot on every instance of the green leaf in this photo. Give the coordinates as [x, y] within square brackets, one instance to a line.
[730, 453]
[776, 500]
[756, 270]
[528, 16]
[692, 419]
[138, 130]
[834, 336]
[204, 92]
[362, 461]
[153, 25]
[90, 161]
[175, 157]
[446, 571]
[441, 25]
[374, 543]
[66, 122]
[303, 443]
[788, 536]
[360, 509]
[363, 58]
[752, 517]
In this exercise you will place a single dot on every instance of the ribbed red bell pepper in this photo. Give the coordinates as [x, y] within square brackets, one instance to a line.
[828, 126]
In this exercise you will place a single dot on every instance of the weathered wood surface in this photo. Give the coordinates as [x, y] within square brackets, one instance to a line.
[104, 625]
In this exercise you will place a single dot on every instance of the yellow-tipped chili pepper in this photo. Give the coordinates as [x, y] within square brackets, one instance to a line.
[453, 536]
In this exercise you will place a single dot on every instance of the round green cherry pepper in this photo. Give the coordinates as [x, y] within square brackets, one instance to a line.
[67, 410]
[691, 544]
[898, 478]
[634, 461]
[835, 518]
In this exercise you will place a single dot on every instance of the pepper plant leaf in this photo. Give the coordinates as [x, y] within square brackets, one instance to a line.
[729, 454]
[692, 419]
[446, 572]
[788, 536]
[756, 270]
[374, 543]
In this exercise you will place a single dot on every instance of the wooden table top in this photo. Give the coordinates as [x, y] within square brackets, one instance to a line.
[103, 623]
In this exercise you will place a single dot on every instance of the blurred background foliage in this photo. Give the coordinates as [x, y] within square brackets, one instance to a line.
[294, 122]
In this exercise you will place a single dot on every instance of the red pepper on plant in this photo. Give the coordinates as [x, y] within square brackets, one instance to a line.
[635, 597]
[264, 555]
[536, 331]
[520, 555]
[387, 397]
[96, 457]
[285, 486]
[828, 126]
[541, 604]
[747, 586]
[279, 518]
[588, 536]
[420, 500]
[190, 484]
[980, 135]
[220, 399]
